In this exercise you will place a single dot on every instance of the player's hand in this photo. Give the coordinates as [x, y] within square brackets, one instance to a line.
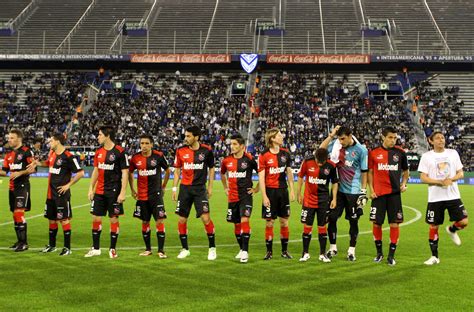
[134, 194]
[373, 195]
[292, 196]
[90, 195]
[447, 182]
[15, 174]
[333, 204]
[31, 167]
[63, 189]
[334, 131]
[121, 198]
[300, 199]
[266, 201]
[226, 191]
[174, 196]
[403, 188]
[209, 192]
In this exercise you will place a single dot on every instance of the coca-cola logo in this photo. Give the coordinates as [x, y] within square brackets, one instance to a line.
[318, 58]
[329, 59]
[217, 58]
[191, 58]
[278, 58]
[356, 59]
[304, 59]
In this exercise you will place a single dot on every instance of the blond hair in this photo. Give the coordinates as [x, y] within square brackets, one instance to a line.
[269, 135]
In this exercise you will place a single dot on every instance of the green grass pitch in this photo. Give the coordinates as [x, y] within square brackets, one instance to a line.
[35, 281]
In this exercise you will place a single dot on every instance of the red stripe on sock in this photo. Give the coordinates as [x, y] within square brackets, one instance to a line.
[66, 227]
[322, 230]
[245, 227]
[160, 227]
[269, 233]
[114, 227]
[459, 225]
[53, 226]
[284, 232]
[433, 233]
[394, 234]
[145, 228]
[19, 216]
[209, 227]
[182, 228]
[237, 229]
[307, 229]
[377, 231]
[97, 226]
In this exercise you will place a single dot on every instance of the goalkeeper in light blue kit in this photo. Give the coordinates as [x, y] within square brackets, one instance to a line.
[351, 159]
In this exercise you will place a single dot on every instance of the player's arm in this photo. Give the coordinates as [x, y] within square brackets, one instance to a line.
[123, 190]
[63, 189]
[403, 184]
[212, 172]
[261, 181]
[165, 180]
[334, 190]
[370, 178]
[177, 173]
[299, 187]
[224, 183]
[131, 183]
[16, 174]
[291, 182]
[330, 137]
[255, 189]
[426, 179]
[93, 183]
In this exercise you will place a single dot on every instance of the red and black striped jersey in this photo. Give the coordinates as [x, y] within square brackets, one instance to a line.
[110, 165]
[149, 173]
[317, 180]
[194, 164]
[18, 160]
[239, 175]
[275, 167]
[387, 166]
[61, 168]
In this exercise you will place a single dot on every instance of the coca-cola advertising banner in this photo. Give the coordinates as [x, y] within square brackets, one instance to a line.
[318, 58]
[180, 58]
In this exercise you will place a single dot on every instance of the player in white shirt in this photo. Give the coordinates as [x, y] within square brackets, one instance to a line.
[441, 168]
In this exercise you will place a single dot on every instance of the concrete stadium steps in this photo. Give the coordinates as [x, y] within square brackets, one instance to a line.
[410, 18]
[11, 8]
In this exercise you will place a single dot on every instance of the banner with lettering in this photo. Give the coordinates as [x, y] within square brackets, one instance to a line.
[318, 58]
[180, 58]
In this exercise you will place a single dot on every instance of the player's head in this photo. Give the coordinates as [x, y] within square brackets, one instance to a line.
[237, 143]
[438, 140]
[389, 137]
[57, 140]
[146, 143]
[192, 135]
[37, 143]
[106, 133]
[344, 135]
[15, 138]
[321, 155]
[273, 137]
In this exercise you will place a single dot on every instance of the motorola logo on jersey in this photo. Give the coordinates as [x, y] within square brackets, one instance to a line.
[277, 170]
[387, 167]
[191, 166]
[145, 173]
[16, 166]
[106, 166]
[236, 174]
[55, 170]
[314, 180]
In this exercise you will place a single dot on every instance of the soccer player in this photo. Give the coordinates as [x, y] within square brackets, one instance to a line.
[148, 163]
[62, 164]
[16, 162]
[236, 171]
[318, 172]
[195, 161]
[388, 177]
[107, 189]
[441, 168]
[275, 174]
[351, 161]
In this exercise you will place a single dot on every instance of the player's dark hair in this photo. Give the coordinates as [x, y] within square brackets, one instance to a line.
[430, 138]
[343, 130]
[195, 130]
[108, 131]
[388, 129]
[239, 138]
[18, 133]
[60, 137]
[321, 155]
[147, 136]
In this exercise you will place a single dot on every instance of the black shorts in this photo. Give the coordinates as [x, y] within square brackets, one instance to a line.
[435, 211]
[20, 199]
[390, 204]
[189, 195]
[347, 203]
[155, 207]
[101, 204]
[308, 215]
[58, 209]
[279, 204]
[237, 210]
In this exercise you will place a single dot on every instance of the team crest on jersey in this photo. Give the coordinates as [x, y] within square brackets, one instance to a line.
[153, 163]
[399, 215]
[283, 159]
[19, 204]
[161, 214]
[247, 212]
[396, 158]
[201, 157]
[112, 157]
[19, 157]
[59, 162]
[353, 154]
[244, 165]
[326, 171]
[205, 208]
[59, 216]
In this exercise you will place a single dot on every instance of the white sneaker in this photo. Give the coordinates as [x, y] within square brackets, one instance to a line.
[212, 255]
[432, 260]
[112, 254]
[239, 255]
[324, 259]
[183, 253]
[305, 257]
[244, 257]
[454, 236]
[92, 253]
